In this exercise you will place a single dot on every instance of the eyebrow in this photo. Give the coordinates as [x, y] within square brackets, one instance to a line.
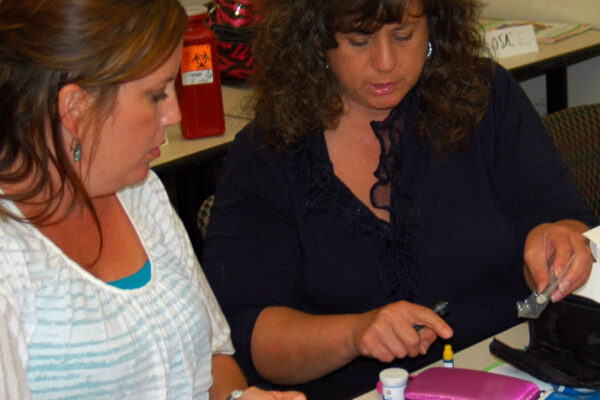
[168, 79]
[410, 20]
[402, 26]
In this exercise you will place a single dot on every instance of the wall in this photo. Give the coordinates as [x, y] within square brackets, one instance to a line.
[583, 84]
[192, 2]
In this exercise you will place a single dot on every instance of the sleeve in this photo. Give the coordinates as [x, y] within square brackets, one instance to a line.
[13, 346]
[533, 180]
[220, 338]
[252, 253]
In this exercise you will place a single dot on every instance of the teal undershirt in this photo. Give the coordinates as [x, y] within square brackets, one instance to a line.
[136, 280]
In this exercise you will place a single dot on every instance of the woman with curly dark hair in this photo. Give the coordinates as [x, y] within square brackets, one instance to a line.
[389, 166]
[101, 295]
[297, 92]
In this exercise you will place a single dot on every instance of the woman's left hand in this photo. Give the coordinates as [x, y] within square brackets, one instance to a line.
[562, 239]
[254, 393]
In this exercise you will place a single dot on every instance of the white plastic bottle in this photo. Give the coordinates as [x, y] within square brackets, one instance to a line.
[393, 382]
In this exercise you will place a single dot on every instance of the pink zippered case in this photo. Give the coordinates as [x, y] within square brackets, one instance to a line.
[439, 383]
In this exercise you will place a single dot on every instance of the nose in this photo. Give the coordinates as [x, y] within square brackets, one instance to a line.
[382, 55]
[171, 112]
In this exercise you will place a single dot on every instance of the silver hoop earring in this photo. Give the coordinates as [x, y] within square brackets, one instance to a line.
[429, 50]
[77, 152]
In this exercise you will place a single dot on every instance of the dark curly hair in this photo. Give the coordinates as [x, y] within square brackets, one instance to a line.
[295, 93]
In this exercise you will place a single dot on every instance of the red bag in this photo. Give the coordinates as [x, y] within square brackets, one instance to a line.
[233, 23]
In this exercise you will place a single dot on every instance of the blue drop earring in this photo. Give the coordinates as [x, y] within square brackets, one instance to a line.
[77, 152]
[429, 50]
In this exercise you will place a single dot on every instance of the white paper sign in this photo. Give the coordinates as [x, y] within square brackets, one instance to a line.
[591, 289]
[512, 41]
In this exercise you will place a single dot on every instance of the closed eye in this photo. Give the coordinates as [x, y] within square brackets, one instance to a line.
[402, 37]
[157, 97]
[358, 40]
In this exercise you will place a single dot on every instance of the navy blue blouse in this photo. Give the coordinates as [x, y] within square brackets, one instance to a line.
[285, 230]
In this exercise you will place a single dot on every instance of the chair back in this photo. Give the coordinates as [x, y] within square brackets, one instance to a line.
[576, 132]
[203, 217]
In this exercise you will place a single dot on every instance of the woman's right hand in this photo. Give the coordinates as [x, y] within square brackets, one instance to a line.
[389, 332]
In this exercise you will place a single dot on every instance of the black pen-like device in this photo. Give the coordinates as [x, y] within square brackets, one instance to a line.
[441, 308]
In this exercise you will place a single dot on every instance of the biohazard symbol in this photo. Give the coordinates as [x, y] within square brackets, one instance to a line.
[202, 60]
[196, 58]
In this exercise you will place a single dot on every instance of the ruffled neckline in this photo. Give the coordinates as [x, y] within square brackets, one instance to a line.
[325, 191]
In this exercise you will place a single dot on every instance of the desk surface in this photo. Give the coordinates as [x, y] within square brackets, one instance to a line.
[177, 148]
[569, 51]
[477, 356]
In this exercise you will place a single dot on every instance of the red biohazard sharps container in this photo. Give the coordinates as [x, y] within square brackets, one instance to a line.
[198, 83]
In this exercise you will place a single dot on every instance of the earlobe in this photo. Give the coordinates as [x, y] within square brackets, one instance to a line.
[72, 102]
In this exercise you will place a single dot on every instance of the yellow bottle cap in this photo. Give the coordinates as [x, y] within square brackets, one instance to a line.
[448, 353]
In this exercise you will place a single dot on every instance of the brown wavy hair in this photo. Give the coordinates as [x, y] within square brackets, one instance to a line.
[47, 44]
[295, 93]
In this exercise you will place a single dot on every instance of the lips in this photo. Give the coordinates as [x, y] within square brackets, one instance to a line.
[381, 89]
[155, 152]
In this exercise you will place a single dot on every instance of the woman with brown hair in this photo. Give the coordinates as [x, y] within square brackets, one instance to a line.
[101, 295]
[389, 166]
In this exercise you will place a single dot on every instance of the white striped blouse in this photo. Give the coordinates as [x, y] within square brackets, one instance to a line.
[64, 334]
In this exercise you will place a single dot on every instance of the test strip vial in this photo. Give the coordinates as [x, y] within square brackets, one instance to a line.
[393, 383]
[448, 356]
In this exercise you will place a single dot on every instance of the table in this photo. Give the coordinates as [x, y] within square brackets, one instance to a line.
[477, 356]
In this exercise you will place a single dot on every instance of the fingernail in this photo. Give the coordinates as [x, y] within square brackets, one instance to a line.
[556, 297]
[564, 286]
